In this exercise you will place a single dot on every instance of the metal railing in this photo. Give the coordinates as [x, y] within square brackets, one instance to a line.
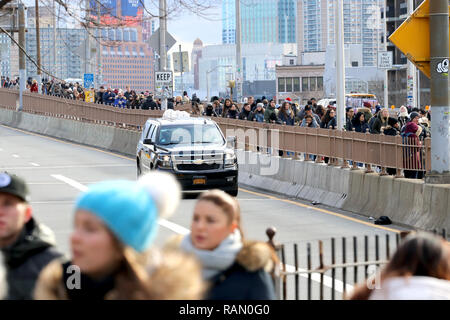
[387, 154]
[329, 269]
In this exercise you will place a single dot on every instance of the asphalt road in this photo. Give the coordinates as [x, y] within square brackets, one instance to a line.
[57, 171]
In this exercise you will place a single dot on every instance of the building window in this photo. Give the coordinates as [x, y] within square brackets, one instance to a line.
[281, 84]
[296, 84]
[354, 63]
[305, 84]
[291, 62]
[319, 83]
[312, 84]
[288, 84]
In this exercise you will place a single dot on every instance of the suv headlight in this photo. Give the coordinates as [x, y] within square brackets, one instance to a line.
[164, 161]
[230, 159]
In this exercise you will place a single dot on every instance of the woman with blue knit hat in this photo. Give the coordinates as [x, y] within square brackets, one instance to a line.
[115, 224]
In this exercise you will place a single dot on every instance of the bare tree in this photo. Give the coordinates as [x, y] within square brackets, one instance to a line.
[77, 11]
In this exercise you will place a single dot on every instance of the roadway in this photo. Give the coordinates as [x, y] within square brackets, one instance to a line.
[57, 171]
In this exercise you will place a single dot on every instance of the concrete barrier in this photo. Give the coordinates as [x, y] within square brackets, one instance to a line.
[406, 201]
[101, 136]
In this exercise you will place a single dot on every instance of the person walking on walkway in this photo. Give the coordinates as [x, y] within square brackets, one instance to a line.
[27, 246]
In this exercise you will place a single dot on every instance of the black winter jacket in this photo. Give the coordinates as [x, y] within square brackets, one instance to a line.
[149, 104]
[25, 259]
[237, 283]
[247, 278]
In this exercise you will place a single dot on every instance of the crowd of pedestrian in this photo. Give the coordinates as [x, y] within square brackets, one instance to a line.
[412, 124]
[376, 120]
[113, 255]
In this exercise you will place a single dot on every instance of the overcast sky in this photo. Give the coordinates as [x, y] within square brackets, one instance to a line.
[189, 26]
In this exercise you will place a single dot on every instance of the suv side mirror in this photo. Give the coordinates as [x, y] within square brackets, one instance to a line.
[231, 141]
[147, 141]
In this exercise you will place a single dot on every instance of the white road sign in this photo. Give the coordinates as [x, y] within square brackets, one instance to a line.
[164, 84]
[385, 59]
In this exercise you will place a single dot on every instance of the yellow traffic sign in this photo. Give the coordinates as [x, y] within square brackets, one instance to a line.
[412, 38]
[89, 96]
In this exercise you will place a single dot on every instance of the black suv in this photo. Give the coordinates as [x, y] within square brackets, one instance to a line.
[193, 149]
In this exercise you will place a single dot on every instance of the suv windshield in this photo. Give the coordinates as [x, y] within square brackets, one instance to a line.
[189, 134]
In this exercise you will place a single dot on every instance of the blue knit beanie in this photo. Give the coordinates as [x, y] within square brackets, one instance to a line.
[126, 208]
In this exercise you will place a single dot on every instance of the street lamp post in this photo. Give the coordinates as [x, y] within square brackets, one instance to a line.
[207, 78]
[340, 64]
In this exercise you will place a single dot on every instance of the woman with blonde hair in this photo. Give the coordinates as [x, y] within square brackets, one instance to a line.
[419, 270]
[115, 224]
[234, 268]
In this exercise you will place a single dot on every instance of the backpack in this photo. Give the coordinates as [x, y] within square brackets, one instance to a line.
[406, 135]
[371, 123]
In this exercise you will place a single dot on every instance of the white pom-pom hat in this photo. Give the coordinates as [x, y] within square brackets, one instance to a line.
[164, 189]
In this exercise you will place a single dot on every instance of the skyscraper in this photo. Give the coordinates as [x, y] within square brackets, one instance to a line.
[312, 28]
[228, 21]
[286, 21]
[70, 59]
[195, 57]
[5, 49]
[362, 26]
[262, 21]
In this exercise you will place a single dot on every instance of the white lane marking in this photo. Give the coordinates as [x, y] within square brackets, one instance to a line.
[35, 164]
[250, 199]
[163, 222]
[70, 167]
[15, 155]
[327, 281]
[52, 202]
[55, 183]
[70, 182]
[339, 286]
[173, 226]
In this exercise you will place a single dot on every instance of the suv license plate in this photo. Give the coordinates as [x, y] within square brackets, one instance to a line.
[199, 181]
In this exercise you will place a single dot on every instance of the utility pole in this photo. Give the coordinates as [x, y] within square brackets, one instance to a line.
[411, 74]
[440, 104]
[38, 45]
[238, 53]
[99, 37]
[87, 60]
[55, 57]
[386, 78]
[418, 89]
[162, 44]
[22, 71]
[340, 64]
[181, 66]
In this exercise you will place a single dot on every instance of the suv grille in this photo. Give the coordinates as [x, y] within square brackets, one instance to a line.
[198, 167]
[186, 161]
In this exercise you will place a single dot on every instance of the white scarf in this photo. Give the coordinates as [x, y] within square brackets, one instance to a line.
[217, 260]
